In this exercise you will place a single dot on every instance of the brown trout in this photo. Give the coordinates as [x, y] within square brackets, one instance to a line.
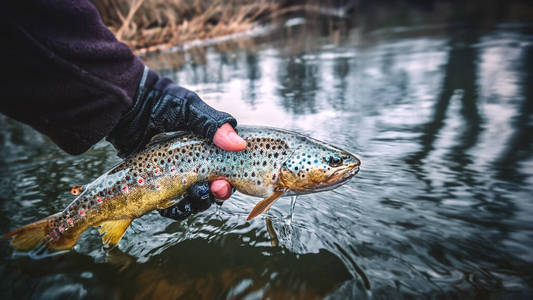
[275, 162]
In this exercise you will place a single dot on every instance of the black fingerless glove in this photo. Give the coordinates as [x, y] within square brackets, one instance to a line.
[197, 199]
[162, 106]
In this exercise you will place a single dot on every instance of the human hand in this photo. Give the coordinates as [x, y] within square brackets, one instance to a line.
[227, 139]
[201, 195]
[162, 106]
[197, 199]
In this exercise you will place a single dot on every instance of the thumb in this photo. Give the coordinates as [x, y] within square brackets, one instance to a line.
[227, 139]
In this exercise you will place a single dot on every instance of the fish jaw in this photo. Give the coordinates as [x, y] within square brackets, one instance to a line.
[316, 166]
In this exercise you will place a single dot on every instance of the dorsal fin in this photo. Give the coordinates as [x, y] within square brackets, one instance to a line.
[165, 136]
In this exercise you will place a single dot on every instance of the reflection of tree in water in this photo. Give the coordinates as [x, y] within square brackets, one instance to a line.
[459, 75]
[298, 86]
[520, 145]
[253, 73]
[466, 81]
[466, 182]
[341, 68]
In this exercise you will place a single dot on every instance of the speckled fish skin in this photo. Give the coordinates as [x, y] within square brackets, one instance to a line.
[274, 162]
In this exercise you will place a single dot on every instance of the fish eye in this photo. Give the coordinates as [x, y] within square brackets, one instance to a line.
[335, 161]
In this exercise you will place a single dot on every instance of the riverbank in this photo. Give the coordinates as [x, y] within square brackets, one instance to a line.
[157, 25]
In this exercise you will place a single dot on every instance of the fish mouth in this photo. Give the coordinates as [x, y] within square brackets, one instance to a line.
[342, 175]
[335, 180]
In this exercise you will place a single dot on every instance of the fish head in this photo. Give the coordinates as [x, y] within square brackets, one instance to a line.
[316, 166]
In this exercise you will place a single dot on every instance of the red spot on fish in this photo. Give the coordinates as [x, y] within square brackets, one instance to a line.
[125, 188]
[140, 180]
[61, 229]
[194, 171]
[158, 186]
[76, 190]
[184, 181]
[82, 212]
[157, 171]
[173, 170]
[99, 200]
[69, 221]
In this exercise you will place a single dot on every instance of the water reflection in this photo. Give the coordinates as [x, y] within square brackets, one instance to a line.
[440, 114]
[519, 146]
[459, 83]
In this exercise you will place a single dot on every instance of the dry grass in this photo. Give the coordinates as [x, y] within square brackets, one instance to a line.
[148, 25]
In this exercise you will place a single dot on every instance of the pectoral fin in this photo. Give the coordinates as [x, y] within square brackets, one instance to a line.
[264, 204]
[112, 231]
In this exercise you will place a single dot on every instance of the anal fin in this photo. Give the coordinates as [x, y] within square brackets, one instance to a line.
[112, 231]
[264, 204]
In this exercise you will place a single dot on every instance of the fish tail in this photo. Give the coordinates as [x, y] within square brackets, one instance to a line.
[44, 232]
[30, 236]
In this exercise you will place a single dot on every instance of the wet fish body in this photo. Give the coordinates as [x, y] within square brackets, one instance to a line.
[274, 162]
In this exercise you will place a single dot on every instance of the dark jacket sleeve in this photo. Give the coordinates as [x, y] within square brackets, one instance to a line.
[64, 73]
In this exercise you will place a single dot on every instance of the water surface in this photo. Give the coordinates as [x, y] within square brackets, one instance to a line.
[438, 109]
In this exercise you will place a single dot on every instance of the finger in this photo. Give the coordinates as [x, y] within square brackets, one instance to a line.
[221, 189]
[227, 139]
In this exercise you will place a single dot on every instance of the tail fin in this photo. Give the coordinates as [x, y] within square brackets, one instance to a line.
[30, 236]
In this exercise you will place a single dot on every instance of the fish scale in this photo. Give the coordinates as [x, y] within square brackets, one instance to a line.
[275, 162]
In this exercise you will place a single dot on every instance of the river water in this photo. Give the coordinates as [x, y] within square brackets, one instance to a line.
[439, 109]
